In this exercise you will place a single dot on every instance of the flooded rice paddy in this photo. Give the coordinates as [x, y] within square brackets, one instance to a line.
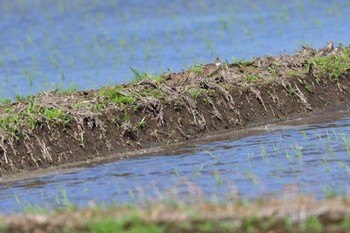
[88, 44]
[284, 161]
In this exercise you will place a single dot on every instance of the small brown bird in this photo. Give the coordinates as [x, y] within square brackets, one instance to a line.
[329, 47]
[306, 51]
[326, 50]
[217, 62]
[209, 69]
[336, 51]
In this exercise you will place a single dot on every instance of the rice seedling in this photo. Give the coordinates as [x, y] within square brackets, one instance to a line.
[285, 15]
[330, 192]
[335, 134]
[250, 157]
[276, 146]
[325, 164]
[248, 33]
[176, 171]
[251, 176]
[330, 150]
[218, 178]
[209, 44]
[197, 172]
[263, 152]
[346, 142]
[344, 166]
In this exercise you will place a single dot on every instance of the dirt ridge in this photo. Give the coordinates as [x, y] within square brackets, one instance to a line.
[54, 128]
[300, 214]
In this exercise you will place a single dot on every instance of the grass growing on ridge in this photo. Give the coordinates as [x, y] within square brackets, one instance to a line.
[114, 94]
[198, 69]
[139, 76]
[332, 66]
[29, 117]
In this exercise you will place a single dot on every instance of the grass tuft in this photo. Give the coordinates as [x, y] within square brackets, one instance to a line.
[198, 69]
[333, 66]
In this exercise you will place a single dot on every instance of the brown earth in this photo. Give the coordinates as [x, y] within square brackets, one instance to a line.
[55, 128]
[295, 215]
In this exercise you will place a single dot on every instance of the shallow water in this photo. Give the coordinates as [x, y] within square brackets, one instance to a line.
[48, 44]
[289, 160]
[87, 44]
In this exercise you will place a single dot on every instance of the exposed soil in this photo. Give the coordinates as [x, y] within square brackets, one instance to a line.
[54, 128]
[295, 215]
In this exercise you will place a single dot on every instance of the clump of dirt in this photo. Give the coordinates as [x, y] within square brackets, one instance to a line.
[53, 128]
[296, 215]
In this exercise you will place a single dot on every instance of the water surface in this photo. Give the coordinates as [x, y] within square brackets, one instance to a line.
[87, 44]
[289, 160]
[47, 44]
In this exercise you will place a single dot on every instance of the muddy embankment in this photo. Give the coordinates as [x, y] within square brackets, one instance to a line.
[296, 215]
[59, 127]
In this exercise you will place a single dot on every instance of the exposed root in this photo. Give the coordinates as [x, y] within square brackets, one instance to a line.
[258, 96]
[226, 94]
[4, 151]
[215, 111]
[199, 120]
[273, 112]
[302, 97]
[30, 153]
[341, 87]
[154, 106]
[44, 150]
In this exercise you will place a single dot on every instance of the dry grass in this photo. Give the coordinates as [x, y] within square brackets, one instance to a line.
[297, 215]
